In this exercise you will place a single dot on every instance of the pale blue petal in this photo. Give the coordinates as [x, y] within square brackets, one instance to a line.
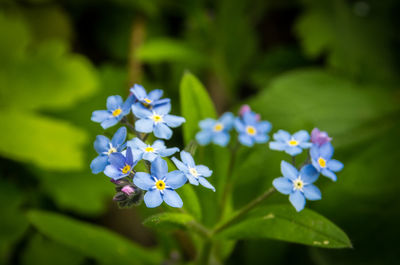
[112, 172]
[98, 164]
[329, 174]
[204, 137]
[283, 185]
[282, 136]
[326, 151]
[101, 144]
[129, 157]
[168, 151]
[153, 198]
[101, 115]
[162, 109]
[110, 122]
[155, 94]
[158, 144]
[161, 130]
[261, 138]
[175, 179]
[334, 165]
[312, 193]
[314, 152]
[250, 118]
[162, 101]
[305, 145]
[144, 125]
[288, 170]
[143, 180]
[137, 154]
[192, 179]
[172, 198]
[207, 124]
[117, 160]
[298, 200]
[136, 143]
[221, 138]
[173, 121]
[246, 140]
[316, 165]
[114, 102]
[279, 146]
[206, 184]
[149, 156]
[141, 112]
[181, 166]
[187, 159]
[126, 107]
[159, 168]
[227, 120]
[293, 150]
[301, 136]
[203, 171]
[239, 126]
[264, 126]
[138, 91]
[309, 174]
[119, 137]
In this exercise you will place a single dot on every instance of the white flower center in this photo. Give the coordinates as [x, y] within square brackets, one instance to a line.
[157, 118]
[298, 184]
[194, 172]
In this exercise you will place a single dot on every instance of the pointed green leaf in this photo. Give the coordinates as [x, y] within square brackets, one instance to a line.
[282, 222]
[94, 241]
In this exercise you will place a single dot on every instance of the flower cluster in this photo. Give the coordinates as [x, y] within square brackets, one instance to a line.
[118, 158]
[298, 184]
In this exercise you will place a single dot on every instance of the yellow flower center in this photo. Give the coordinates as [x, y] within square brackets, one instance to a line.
[126, 169]
[293, 142]
[116, 112]
[218, 127]
[298, 184]
[148, 101]
[160, 184]
[193, 171]
[322, 162]
[157, 118]
[111, 150]
[149, 149]
[251, 130]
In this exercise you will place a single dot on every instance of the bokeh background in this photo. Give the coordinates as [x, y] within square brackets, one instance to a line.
[332, 64]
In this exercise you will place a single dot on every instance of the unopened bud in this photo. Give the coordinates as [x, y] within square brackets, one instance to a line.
[128, 190]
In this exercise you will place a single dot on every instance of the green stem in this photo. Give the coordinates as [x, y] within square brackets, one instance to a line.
[205, 254]
[243, 211]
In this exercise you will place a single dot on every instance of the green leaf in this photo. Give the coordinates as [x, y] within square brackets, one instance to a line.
[169, 220]
[49, 143]
[91, 240]
[196, 105]
[282, 222]
[169, 50]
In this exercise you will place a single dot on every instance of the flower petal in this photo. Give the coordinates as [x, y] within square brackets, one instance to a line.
[326, 151]
[143, 180]
[101, 144]
[311, 192]
[261, 138]
[204, 137]
[314, 152]
[203, 171]
[136, 143]
[168, 151]
[129, 157]
[329, 174]
[110, 122]
[305, 145]
[114, 102]
[100, 115]
[207, 124]
[138, 91]
[221, 138]
[141, 112]
[192, 179]
[149, 156]
[264, 126]
[301, 136]
[283, 185]
[162, 109]
[119, 137]
[206, 184]
[126, 107]
[250, 118]
[159, 167]
[282, 136]
[181, 166]
[113, 172]
[298, 200]
[153, 198]
[246, 140]
[309, 174]
[172, 198]
[99, 164]
[161, 130]
[239, 125]
[158, 145]
[173, 121]
[279, 146]
[289, 171]
[335, 165]
[293, 150]
[175, 179]
[155, 94]
[117, 160]
[187, 159]
[144, 125]
[227, 120]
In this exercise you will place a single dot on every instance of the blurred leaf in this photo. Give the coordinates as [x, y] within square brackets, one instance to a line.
[169, 220]
[91, 240]
[196, 105]
[282, 222]
[191, 201]
[49, 143]
[169, 50]
[45, 252]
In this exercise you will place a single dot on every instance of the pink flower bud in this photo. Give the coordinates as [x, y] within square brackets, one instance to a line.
[319, 138]
[243, 109]
[128, 190]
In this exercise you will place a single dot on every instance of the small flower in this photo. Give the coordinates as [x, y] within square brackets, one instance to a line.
[319, 138]
[216, 131]
[120, 165]
[251, 130]
[160, 184]
[152, 99]
[195, 174]
[128, 189]
[321, 160]
[298, 185]
[150, 152]
[243, 109]
[156, 120]
[116, 110]
[104, 147]
[291, 144]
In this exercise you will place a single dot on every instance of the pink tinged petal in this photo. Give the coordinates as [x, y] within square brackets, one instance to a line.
[153, 198]
[289, 171]
[128, 190]
[172, 198]
[298, 200]
[243, 109]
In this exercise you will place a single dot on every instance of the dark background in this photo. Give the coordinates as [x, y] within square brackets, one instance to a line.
[331, 64]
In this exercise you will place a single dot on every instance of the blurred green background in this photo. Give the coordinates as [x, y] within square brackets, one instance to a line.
[332, 64]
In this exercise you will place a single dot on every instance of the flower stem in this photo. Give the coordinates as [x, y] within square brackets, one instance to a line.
[251, 205]
[205, 253]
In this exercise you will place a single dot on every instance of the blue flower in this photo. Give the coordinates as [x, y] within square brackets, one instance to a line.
[321, 158]
[120, 165]
[104, 147]
[160, 184]
[152, 99]
[251, 130]
[298, 185]
[156, 120]
[195, 174]
[150, 152]
[291, 144]
[216, 131]
[116, 110]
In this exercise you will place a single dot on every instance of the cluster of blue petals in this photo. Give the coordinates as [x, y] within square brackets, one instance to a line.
[117, 158]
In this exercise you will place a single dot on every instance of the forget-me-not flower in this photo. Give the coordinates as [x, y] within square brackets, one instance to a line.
[319, 138]
[120, 165]
[104, 147]
[116, 110]
[291, 144]
[195, 174]
[160, 184]
[321, 158]
[298, 185]
[216, 131]
[151, 99]
[251, 130]
[156, 120]
[150, 152]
